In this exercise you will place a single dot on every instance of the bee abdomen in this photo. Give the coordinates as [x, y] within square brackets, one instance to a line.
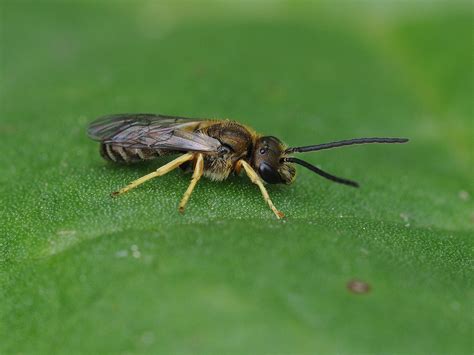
[118, 154]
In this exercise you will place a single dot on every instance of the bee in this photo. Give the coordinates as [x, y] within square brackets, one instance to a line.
[211, 148]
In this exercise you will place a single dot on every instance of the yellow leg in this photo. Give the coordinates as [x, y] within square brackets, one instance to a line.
[198, 169]
[253, 176]
[159, 172]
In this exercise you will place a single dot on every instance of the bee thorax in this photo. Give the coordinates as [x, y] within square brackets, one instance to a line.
[217, 168]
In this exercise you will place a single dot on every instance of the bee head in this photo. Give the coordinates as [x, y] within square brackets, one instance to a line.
[267, 161]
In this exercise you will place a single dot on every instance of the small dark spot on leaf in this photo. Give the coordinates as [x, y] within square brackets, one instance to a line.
[358, 286]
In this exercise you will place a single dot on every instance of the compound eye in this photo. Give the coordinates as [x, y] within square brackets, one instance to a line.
[269, 174]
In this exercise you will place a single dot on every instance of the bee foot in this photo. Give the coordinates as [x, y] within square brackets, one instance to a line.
[280, 215]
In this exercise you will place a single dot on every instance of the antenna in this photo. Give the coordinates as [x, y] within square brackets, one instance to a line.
[311, 148]
[321, 172]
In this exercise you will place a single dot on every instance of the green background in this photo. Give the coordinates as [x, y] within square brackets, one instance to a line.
[84, 273]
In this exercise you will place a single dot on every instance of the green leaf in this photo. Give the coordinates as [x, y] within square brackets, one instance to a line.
[85, 273]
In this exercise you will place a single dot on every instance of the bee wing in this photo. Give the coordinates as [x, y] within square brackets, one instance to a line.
[152, 131]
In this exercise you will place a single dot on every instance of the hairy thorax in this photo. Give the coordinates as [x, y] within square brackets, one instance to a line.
[237, 142]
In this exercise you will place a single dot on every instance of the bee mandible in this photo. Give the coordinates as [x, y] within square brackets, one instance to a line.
[211, 148]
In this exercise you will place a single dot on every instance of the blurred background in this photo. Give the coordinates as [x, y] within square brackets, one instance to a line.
[83, 273]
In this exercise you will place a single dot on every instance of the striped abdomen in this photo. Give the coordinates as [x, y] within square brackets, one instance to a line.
[119, 154]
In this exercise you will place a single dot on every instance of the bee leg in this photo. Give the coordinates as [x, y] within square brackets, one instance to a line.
[159, 172]
[253, 176]
[198, 169]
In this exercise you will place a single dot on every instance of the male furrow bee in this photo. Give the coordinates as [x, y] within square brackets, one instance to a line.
[213, 148]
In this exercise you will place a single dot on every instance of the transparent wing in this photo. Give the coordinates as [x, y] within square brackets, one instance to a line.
[152, 131]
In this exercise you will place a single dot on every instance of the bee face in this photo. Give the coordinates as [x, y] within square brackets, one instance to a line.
[267, 160]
